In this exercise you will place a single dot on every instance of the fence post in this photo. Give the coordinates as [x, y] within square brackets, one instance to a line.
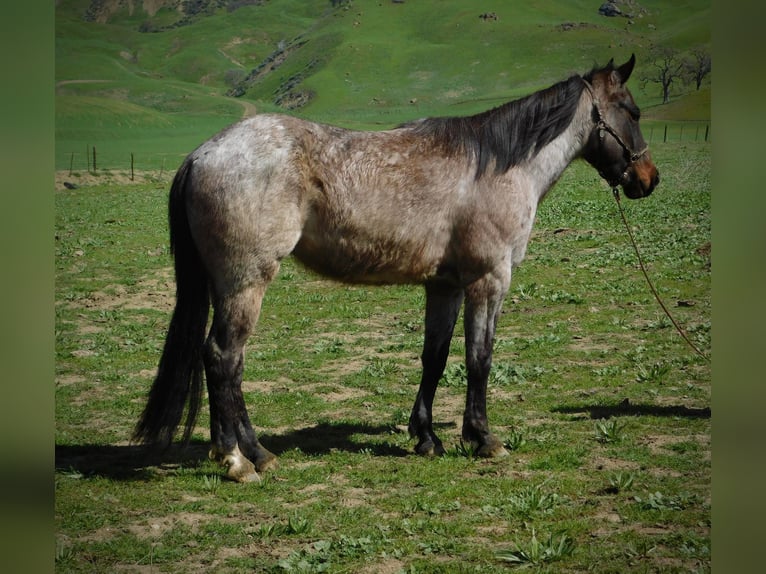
[94, 159]
[131, 166]
[707, 129]
[665, 137]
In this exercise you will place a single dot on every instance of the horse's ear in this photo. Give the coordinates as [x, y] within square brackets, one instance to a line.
[624, 71]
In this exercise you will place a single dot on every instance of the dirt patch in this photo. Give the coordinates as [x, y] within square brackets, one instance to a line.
[153, 292]
[65, 181]
[386, 566]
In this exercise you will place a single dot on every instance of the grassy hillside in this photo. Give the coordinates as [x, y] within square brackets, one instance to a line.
[153, 80]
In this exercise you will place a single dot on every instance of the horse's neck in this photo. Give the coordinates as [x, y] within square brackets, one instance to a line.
[545, 168]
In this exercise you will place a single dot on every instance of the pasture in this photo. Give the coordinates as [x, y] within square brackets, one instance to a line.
[604, 408]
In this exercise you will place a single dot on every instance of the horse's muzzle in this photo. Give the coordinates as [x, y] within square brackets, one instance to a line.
[640, 179]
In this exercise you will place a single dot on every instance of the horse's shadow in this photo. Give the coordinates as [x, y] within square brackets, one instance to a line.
[627, 409]
[137, 462]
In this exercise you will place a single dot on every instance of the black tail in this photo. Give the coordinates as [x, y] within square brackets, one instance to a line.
[179, 376]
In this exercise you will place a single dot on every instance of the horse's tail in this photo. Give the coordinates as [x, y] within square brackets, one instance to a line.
[179, 375]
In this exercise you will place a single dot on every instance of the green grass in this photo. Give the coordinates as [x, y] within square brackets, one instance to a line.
[371, 64]
[330, 376]
[604, 408]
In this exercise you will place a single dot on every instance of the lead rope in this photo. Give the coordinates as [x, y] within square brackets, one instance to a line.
[616, 193]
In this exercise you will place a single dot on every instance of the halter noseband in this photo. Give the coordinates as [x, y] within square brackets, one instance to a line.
[602, 126]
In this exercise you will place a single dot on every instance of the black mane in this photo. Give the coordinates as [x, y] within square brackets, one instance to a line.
[507, 134]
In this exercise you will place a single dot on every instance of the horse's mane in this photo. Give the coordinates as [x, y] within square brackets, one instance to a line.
[506, 135]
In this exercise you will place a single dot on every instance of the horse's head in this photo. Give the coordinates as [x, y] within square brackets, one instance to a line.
[616, 147]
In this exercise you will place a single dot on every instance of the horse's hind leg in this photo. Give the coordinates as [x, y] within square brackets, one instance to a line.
[233, 439]
[442, 307]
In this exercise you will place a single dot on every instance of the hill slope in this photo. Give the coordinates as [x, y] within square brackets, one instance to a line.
[159, 76]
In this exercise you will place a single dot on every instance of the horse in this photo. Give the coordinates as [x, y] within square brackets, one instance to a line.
[443, 202]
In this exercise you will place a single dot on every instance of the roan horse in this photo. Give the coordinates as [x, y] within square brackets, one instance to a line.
[444, 202]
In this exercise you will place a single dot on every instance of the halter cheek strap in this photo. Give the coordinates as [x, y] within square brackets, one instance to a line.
[602, 126]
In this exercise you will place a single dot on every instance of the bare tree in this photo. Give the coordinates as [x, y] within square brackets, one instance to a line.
[665, 67]
[698, 65]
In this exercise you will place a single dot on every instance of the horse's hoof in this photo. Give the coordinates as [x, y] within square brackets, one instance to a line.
[266, 461]
[241, 470]
[243, 475]
[491, 448]
[488, 451]
[238, 467]
[429, 448]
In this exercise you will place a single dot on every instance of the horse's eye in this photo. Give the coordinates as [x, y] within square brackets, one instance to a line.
[632, 109]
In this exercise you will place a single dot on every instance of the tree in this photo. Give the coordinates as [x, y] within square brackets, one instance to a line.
[698, 65]
[665, 67]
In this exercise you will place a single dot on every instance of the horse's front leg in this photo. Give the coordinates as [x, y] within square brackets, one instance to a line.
[484, 300]
[442, 308]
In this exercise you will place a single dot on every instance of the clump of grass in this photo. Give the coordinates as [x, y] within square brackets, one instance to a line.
[621, 481]
[506, 374]
[515, 440]
[532, 499]
[535, 551]
[455, 375]
[659, 501]
[610, 430]
[655, 374]
[211, 483]
[379, 368]
[465, 450]
[296, 525]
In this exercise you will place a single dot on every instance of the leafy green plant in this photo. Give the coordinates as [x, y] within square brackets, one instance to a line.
[506, 374]
[531, 500]
[515, 440]
[64, 553]
[297, 525]
[455, 375]
[660, 501]
[536, 552]
[380, 368]
[465, 450]
[610, 430]
[655, 374]
[211, 483]
[621, 481]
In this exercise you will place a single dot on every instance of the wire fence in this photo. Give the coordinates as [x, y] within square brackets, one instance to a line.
[676, 132]
[95, 159]
[101, 158]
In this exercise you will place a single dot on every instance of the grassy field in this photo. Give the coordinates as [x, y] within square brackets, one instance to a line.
[369, 64]
[605, 409]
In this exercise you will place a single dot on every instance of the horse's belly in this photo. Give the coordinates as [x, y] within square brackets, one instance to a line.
[356, 260]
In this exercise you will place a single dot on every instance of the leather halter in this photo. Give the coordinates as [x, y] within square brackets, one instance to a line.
[602, 126]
